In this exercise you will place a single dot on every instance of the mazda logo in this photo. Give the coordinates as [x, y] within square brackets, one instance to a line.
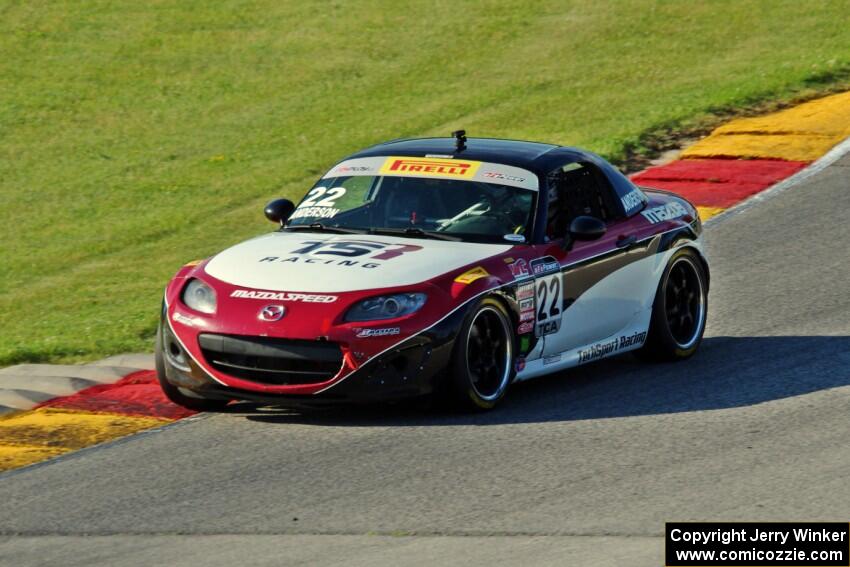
[272, 312]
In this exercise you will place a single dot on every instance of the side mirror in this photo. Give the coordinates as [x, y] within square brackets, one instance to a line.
[587, 228]
[279, 210]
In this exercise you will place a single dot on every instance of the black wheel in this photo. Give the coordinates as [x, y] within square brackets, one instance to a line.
[176, 394]
[679, 310]
[482, 362]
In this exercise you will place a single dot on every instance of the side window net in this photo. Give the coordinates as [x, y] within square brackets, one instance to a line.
[578, 189]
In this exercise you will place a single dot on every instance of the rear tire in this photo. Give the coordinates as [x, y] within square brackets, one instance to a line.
[679, 311]
[173, 393]
[482, 361]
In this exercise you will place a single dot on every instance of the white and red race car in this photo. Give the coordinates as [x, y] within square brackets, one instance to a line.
[439, 266]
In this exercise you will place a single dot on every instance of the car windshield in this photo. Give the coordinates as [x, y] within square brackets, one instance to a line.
[420, 207]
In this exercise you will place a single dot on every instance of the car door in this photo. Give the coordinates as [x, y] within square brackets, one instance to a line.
[587, 290]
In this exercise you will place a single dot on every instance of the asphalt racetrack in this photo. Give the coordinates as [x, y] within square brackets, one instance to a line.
[582, 468]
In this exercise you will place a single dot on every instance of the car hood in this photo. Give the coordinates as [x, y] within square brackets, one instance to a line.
[318, 262]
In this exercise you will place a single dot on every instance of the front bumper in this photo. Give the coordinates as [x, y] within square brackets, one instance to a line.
[409, 369]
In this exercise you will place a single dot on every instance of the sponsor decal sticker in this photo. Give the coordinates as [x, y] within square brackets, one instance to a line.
[671, 210]
[317, 252]
[282, 296]
[503, 176]
[180, 318]
[389, 331]
[598, 351]
[545, 265]
[471, 275]
[525, 328]
[607, 348]
[526, 309]
[631, 200]
[547, 360]
[511, 237]
[519, 268]
[436, 165]
[632, 340]
[354, 169]
[525, 291]
[430, 167]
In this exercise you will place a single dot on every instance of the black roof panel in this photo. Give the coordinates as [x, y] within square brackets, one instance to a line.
[509, 152]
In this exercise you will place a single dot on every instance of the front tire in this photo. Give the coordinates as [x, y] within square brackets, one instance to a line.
[173, 393]
[482, 361]
[679, 310]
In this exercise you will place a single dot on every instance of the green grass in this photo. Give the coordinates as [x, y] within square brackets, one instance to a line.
[135, 136]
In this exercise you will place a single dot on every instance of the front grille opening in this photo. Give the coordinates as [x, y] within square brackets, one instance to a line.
[270, 360]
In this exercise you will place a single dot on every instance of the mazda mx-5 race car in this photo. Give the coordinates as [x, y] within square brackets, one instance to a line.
[439, 266]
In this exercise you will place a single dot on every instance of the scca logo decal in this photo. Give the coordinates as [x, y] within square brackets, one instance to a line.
[436, 167]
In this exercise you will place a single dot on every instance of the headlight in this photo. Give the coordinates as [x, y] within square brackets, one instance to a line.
[199, 296]
[386, 307]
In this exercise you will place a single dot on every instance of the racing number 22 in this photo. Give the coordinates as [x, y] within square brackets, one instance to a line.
[554, 287]
[548, 291]
[333, 194]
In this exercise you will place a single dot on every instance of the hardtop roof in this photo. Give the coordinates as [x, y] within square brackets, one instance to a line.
[533, 156]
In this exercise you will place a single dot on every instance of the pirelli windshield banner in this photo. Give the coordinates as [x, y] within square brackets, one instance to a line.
[766, 544]
[440, 167]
